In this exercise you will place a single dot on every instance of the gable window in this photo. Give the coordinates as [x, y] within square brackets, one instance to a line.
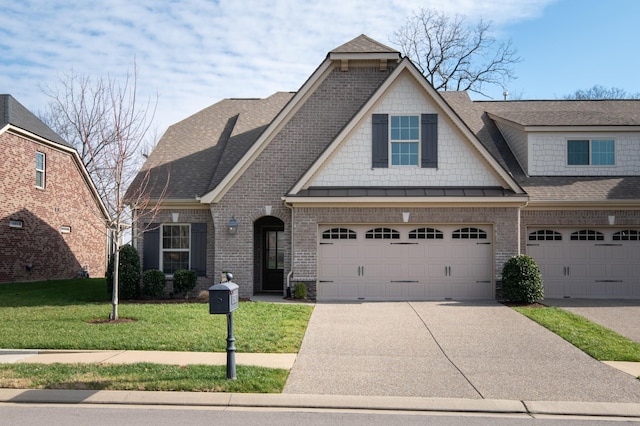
[175, 247]
[591, 152]
[40, 164]
[405, 140]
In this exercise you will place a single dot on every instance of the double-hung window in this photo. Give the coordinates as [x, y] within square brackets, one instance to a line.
[405, 140]
[40, 167]
[176, 243]
[591, 152]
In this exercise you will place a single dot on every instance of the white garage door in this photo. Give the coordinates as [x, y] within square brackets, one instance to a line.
[594, 263]
[368, 262]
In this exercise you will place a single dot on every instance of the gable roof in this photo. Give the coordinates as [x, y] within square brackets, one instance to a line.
[363, 44]
[553, 115]
[14, 113]
[195, 154]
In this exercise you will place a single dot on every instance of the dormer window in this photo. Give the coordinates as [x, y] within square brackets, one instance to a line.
[591, 152]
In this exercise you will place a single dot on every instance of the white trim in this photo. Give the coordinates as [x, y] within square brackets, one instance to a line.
[162, 249]
[407, 65]
[517, 201]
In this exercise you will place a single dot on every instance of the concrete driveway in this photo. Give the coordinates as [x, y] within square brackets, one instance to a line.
[619, 315]
[479, 350]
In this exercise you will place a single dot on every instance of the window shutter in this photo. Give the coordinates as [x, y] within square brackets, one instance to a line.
[151, 247]
[199, 248]
[429, 140]
[380, 141]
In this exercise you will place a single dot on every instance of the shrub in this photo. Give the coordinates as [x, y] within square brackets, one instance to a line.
[128, 273]
[184, 281]
[300, 291]
[153, 282]
[521, 280]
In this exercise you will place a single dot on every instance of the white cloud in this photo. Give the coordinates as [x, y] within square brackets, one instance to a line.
[195, 52]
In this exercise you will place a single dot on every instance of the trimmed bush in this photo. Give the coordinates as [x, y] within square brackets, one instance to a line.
[128, 273]
[153, 283]
[300, 291]
[521, 280]
[184, 281]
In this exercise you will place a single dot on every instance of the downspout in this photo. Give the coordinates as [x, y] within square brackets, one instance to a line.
[288, 294]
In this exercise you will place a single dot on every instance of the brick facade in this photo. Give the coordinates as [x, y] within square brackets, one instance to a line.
[40, 251]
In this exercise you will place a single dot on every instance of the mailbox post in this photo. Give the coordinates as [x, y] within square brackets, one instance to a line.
[223, 299]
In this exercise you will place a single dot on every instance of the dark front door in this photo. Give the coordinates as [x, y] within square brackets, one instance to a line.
[273, 269]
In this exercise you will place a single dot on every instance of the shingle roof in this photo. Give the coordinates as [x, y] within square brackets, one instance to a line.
[363, 44]
[196, 153]
[421, 192]
[551, 113]
[14, 113]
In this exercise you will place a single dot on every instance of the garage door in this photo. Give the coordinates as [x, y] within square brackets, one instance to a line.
[594, 263]
[357, 262]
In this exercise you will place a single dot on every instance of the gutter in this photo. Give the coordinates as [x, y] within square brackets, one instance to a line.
[291, 271]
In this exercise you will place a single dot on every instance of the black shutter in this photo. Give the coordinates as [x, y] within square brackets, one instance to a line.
[380, 141]
[151, 247]
[199, 248]
[429, 140]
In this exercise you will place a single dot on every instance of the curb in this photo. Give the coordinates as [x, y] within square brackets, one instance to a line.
[328, 402]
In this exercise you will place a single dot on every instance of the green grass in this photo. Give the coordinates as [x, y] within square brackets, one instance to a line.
[597, 341]
[59, 315]
[142, 377]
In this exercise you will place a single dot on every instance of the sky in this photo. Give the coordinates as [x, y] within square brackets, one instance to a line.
[190, 54]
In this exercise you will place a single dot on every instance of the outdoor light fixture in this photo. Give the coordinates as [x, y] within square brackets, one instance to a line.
[175, 217]
[612, 220]
[405, 216]
[232, 227]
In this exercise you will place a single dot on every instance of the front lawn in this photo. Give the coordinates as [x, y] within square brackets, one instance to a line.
[599, 342]
[60, 315]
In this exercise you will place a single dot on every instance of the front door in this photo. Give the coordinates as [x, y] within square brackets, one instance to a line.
[273, 262]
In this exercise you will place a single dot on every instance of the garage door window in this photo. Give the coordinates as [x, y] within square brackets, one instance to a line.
[426, 234]
[545, 235]
[587, 235]
[382, 234]
[627, 235]
[339, 234]
[469, 234]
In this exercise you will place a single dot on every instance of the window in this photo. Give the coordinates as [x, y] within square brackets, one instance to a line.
[545, 235]
[596, 152]
[339, 234]
[405, 140]
[469, 234]
[426, 234]
[175, 247]
[16, 224]
[274, 249]
[587, 235]
[40, 164]
[627, 235]
[382, 234]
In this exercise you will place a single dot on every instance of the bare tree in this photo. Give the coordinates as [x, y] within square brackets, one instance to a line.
[109, 126]
[454, 55]
[601, 92]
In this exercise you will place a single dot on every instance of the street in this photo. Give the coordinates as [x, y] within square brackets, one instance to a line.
[99, 415]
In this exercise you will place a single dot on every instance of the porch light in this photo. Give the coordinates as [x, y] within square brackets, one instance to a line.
[232, 227]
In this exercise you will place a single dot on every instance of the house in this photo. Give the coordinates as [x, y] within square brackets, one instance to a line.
[367, 184]
[52, 220]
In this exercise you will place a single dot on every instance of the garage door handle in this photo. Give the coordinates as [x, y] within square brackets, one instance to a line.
[325, 281]
[405, 281]
[609, 281]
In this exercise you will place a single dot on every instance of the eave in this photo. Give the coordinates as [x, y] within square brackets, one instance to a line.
[423, 202]
[583, 205]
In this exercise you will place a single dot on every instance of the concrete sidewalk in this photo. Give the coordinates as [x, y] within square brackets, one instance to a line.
[282, 361]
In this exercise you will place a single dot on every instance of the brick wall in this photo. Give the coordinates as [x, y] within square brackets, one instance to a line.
[65, 201]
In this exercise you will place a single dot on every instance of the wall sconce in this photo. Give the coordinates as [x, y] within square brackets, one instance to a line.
[175, 217]
[405, 216]
[267, 210]
[232, 227]
[612, 220]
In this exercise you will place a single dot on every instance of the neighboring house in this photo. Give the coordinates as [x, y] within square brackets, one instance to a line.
[367, 184]
[52, 220]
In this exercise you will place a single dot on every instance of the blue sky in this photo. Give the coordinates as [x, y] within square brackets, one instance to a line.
[192, 53]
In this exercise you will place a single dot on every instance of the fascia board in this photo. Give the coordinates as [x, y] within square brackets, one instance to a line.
[564, 128]
[583, 205]
[281, 119]
[76, 157]
[365, 56]
[405, 64]
[405, 201]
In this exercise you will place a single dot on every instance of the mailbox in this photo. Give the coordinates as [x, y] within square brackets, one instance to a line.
[223, 298]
